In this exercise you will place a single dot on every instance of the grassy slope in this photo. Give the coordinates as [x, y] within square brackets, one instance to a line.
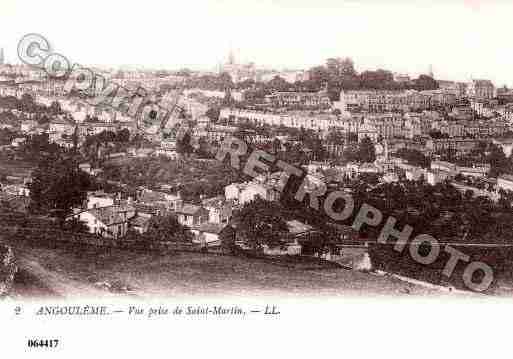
[204, 274]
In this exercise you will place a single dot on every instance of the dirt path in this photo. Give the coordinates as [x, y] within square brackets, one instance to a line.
[33, 280]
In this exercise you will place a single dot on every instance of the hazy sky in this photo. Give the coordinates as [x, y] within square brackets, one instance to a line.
[459, 38]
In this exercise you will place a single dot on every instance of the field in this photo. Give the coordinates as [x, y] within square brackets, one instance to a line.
[78, 271]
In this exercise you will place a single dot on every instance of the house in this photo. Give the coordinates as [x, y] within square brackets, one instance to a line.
[171, 154]
[505, 182]
[219, 210]
[87, 168]
[108, 222]
[211, 234]
[297, 232]
[27, 126]
[18, 141]
[140, 222]
[369, 168]
[482, 89]
[191, 215]
[475, 171]
[99, 199]
[16, 189]
[434, 177]
[389, 177]
[163, 200]
[444, 166]
[59, 127]
[16, 186]
[247, 192]
[505, 144]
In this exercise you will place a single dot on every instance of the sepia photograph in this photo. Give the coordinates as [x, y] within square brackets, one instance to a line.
[211, 166]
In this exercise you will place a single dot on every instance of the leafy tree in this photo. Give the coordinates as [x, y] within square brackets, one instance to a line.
[55, 108]
[57, 187]
[204, 149]
[261, 222]
[499, 164]
[227, 237]
[123, 135]
[75, 225]
[379, 79]
[183, 144]
[213, 113]
[167, 228]
[278, 84]
[366, 150]
[424, 82]
[414, 157]
[336, 137]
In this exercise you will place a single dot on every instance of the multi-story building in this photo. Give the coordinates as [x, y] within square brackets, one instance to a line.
[504, 95]
[481, 89]
[243, 193]
[458, 89]
[296, 119]
[384, 100]
[458, 144]
[299, 100]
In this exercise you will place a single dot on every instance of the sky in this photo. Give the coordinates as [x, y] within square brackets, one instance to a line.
[461, 39]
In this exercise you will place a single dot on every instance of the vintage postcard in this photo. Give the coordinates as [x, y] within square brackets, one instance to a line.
[249, 178]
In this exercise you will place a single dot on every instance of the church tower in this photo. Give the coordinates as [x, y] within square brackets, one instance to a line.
[430, 73]
[2, 58]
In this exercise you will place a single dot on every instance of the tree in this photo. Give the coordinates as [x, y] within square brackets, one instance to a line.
[227, 238]
[379, 79]
[55, 108]
[425, 82]
[336, 137]
[261, 223]
[167, 229]
[499, 164]
[183, 143]
[123, 135]
[57, 187]
[319, 75]
[366, 150]
[414, 157]
[76, 225]
[338, 67]
[278, 84]
[213, 114]
[204, 149]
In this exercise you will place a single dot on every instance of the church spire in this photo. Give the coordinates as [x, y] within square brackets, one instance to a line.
[2, 58]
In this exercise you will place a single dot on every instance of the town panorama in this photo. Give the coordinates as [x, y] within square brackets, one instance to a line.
[416, 175]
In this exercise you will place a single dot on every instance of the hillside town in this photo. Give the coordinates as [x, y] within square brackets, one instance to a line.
[436, 154]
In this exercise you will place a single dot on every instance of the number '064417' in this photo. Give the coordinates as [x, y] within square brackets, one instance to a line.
[43, 343]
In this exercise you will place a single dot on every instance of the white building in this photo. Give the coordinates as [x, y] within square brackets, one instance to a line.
[505, 182]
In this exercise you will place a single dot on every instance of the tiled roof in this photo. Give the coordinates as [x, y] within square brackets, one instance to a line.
[189, 209]
[140, 221]
[297, 227]
[215, 202]
[211, 227]
[110, 215]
